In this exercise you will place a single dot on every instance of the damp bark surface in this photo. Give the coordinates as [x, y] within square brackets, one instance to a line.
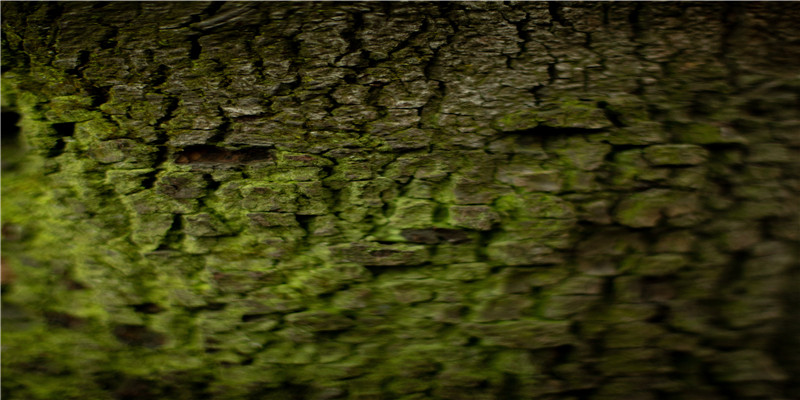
[239, 200]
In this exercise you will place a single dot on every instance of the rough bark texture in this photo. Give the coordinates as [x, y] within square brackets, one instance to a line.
[401, 201]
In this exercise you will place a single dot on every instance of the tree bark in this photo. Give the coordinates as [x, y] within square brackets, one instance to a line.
[237, 200]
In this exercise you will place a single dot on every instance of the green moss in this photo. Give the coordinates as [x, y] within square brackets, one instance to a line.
[646, 209]
[412, 213]
[707, 134]
[401, 233]
[70, 109]
[514, 251]
[527, 334]
[518, 121]
[675, 154]
[566, 307]
[655, 265]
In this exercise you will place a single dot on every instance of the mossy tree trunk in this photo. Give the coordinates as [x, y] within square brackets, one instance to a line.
[401, 200]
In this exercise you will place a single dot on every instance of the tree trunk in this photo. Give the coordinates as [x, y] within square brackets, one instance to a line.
[400, 200]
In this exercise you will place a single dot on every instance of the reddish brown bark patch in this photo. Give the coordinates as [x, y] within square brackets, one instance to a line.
[205, 154]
